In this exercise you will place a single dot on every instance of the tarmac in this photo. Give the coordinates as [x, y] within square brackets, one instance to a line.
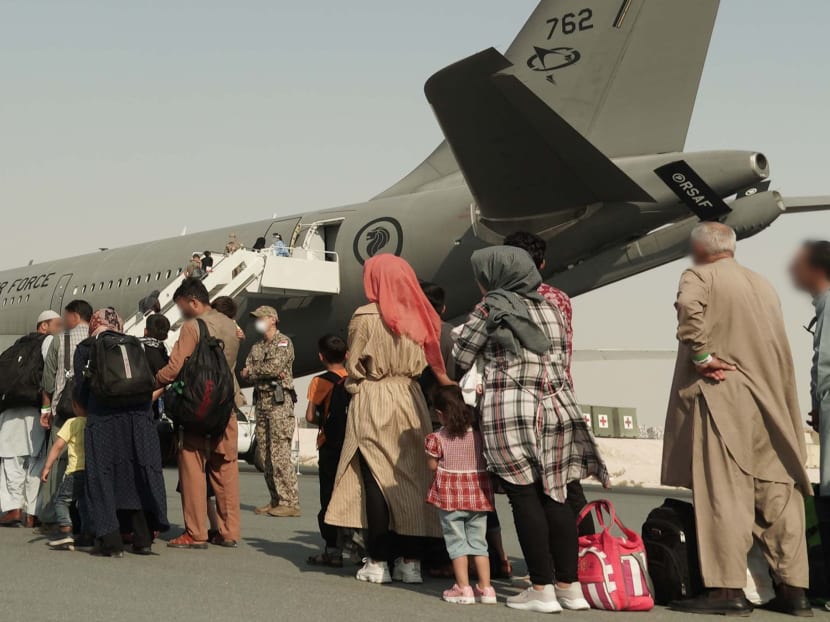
[266, 578]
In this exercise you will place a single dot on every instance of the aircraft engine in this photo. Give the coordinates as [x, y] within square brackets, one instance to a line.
[748, 216]
[753, 214]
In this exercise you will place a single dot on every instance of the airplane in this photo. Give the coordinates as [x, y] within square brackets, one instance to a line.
[575, 133]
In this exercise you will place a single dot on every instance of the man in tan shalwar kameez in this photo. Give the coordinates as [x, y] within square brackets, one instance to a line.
[733, 429]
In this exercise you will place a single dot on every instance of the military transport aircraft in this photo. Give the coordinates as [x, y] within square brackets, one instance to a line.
[576, 133]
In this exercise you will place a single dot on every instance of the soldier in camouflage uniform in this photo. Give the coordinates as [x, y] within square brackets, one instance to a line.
[269, 368]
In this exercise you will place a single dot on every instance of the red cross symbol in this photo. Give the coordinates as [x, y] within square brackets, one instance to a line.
[603, 421]
[587, 418]
[628, 422]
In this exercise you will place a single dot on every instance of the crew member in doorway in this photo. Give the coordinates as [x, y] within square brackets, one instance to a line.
[733, 429]
[269, 368]
[279, 247]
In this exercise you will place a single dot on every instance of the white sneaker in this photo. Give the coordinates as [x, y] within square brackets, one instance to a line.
[374, 572]
[572, 597]
[64, 543]
[540, 601]
[408, 572]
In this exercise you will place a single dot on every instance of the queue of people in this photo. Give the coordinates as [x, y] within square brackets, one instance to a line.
[407, 458]
[88, 470]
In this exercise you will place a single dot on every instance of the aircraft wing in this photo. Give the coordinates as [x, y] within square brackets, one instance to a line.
[521, 159]
[800, 205]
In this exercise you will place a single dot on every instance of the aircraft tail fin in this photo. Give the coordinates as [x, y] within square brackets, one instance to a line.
[623, 73]
[524, 163]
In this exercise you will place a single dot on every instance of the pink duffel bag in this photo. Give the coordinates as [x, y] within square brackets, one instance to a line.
[612, 569]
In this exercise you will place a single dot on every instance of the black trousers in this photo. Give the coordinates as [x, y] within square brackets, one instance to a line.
[547, 533]
[576, 501]
[329, 457]
[383, 544]
[142, 537]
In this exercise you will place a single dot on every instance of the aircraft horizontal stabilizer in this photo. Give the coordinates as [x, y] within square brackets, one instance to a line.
[799, 205]
[521, 160]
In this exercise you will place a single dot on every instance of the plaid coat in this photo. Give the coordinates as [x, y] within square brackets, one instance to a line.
[532, 426]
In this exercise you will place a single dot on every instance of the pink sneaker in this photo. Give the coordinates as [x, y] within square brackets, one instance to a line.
[460, 595]
[486, 596]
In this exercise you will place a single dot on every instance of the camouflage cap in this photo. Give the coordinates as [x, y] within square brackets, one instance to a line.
[266, 311]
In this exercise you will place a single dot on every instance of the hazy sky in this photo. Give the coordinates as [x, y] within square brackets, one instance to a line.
[122, 122]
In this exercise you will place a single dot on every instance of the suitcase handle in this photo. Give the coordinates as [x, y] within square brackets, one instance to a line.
[605, 505]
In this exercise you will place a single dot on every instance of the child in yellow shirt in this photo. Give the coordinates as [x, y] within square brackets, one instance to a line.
[71, 492]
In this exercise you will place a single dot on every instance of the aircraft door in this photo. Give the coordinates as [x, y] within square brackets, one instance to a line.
[58, 294]
[319, 240]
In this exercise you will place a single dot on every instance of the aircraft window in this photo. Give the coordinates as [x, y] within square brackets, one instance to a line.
[83, 289]
[27, 297]
[147, 280]
[11, 300]
[129, 280]
[158, 275]
[92, 287]
[119, 283]
[178, 272]
[169, 272]
[101, 285]
[74, 291]
[110, 284]
[19, 299]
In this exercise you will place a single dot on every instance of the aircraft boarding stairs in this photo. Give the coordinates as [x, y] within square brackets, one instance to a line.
[305, 272]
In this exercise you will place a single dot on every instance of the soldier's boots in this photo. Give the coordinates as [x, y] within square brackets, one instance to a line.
[285, 511]
[265, 509]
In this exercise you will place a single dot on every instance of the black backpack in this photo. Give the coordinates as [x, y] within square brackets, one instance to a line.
[333, 421]
[118, 372]
[21, 372]
[201, 400]
[671, 549]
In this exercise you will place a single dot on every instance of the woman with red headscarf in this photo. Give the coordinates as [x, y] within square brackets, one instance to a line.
[383, 477]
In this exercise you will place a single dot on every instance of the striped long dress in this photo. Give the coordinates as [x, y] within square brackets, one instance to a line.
[388, 424]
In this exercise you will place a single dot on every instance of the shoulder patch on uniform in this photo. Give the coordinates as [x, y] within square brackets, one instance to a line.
[282, 343]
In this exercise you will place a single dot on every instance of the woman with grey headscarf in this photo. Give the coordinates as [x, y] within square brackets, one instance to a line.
[535, 439]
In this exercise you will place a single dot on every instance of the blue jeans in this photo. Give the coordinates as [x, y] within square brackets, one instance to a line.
[465, 533]
[72, 492]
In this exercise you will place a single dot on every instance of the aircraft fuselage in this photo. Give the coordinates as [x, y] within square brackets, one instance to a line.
[432, 229]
